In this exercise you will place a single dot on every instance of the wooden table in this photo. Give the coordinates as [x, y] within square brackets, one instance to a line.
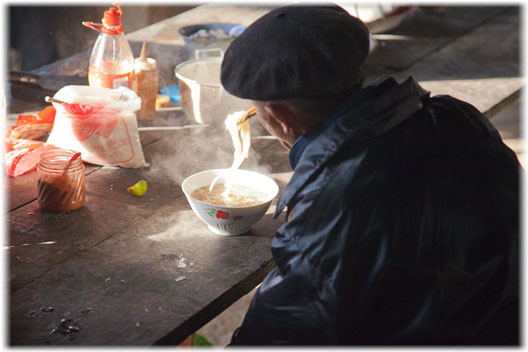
[114, 266]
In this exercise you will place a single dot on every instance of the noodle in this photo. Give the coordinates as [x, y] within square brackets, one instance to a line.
[238, 126]
[240, 135]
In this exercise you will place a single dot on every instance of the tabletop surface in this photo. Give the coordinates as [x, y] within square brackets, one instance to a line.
[115, 266]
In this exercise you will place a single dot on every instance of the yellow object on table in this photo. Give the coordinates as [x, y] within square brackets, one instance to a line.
[162, 101]
[139, 188]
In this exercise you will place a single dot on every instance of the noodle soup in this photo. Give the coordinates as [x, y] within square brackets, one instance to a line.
[236, 217]
[234, 196]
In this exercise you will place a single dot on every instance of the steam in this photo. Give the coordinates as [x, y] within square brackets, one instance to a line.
[187, 152]
[190, 151]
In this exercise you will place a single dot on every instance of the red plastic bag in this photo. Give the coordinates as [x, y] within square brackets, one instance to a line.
[22, 151]
[25, 156]
[33, 126]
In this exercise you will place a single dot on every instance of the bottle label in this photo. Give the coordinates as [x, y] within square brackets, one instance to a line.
[107, 80]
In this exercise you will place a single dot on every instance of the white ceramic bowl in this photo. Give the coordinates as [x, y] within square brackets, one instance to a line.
[224, 220]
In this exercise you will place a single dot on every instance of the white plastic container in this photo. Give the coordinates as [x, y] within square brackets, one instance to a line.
[111, 61]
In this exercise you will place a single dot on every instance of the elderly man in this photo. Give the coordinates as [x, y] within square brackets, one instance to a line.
[402, 211]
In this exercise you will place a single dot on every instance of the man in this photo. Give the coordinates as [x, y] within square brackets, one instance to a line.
[402, 212]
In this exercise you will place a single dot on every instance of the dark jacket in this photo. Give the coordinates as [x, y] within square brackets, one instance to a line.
[403, 229]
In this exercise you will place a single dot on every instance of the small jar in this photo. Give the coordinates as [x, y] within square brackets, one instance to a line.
[60, 181]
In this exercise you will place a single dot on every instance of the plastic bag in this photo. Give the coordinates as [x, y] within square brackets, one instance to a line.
[21, 145]
[24, 156]
[100, 123]
[32, 126]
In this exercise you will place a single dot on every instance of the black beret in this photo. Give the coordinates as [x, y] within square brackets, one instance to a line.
[296, 51]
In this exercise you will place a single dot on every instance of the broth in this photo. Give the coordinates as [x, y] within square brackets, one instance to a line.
[237, 196]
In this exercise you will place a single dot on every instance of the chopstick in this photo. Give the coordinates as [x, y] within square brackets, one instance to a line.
[251, 112]
[53, 100]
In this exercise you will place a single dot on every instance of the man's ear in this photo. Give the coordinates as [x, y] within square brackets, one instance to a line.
[281, 113]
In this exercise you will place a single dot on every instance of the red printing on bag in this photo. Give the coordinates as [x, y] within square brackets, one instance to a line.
[82, 111]
[85, 121]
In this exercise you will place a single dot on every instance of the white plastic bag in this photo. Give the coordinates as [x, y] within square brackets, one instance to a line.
[100, 123]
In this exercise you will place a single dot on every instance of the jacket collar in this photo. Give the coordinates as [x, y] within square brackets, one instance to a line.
[370, 113]
[354, 101]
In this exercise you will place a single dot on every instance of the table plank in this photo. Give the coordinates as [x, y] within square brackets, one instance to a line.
[166, 31]
[115, 224]
[129, 276]
[470, 70]
[44, 239]
[26, 187]
[422, 33]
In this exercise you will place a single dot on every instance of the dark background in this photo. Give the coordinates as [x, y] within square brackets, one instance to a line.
[39, 35]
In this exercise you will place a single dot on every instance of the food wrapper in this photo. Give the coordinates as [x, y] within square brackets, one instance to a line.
[24, 156]
[21, 145]
[100, 123]
[32, 126]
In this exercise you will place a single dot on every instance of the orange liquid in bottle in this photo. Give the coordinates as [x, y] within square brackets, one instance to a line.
[110, 75]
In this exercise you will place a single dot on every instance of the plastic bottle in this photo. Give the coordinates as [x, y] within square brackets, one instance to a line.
[111, 60]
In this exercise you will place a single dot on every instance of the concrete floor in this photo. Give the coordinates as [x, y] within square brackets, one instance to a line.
[219, 330]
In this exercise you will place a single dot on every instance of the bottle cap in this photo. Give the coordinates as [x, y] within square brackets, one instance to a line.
[112, 17]
[111, 21]
[143, 56]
